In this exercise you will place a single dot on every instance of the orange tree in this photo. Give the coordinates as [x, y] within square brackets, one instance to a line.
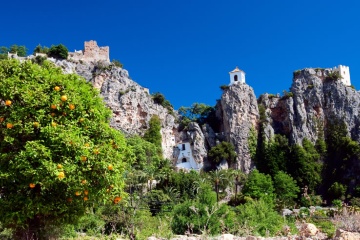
[58, 154]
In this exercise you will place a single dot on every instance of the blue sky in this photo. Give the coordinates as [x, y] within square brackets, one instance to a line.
[185, 49]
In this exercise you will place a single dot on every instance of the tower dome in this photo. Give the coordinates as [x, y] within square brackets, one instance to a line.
[237, 75]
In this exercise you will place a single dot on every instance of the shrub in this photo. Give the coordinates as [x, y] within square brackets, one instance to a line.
[159, 98]
[117, 63]
[58, 51]
[260, 217]
[224, 87]
[333, 76]
[296, 73]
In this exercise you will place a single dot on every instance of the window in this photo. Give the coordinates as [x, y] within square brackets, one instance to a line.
[183, 147]
[183, 160]
[235, 78]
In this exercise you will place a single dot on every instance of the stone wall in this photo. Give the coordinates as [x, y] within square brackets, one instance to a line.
[91, 53]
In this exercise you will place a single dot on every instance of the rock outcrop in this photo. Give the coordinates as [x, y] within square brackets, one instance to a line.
[132, 105]
[316, 99]
[238, 113]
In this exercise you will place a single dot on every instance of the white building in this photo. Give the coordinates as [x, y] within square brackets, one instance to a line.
[237, 75]
[185, 159]
[344, 72]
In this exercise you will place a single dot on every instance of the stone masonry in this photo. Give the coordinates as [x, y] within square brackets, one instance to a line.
[91, 53]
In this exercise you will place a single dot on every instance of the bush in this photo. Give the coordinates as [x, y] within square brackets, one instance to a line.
[224, 87]
[58, 51]
[259, 217]
[117, 63]
[159, 98]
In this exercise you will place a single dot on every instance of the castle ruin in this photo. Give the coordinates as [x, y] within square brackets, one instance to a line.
[92, 52]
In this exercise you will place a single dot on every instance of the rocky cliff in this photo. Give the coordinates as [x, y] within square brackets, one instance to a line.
[132, 105]
[238, 113]
[317, 98]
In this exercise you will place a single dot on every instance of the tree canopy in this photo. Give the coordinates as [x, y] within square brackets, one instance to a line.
[58, 152]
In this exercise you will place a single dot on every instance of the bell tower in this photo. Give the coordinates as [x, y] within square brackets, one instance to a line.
[237, 75]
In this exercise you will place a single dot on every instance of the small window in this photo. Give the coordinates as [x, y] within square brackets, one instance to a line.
[344, 72]
[183, 147]
[235, 78]
[183, 160]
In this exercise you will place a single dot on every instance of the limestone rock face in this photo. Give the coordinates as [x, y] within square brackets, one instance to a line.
[194, 135]
[238, 112]
[316, 100]
[132, 105]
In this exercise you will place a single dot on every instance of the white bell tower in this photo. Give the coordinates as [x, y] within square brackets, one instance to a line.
[237, 75]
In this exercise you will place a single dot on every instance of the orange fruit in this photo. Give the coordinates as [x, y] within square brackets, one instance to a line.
[83, 158]
[63, 98]
[71, 106]
[1, 119]
[57, 88]
[53, 106]
[110, 167]
[117, 200]
[96, 151]
[7, 102]
[36, 124]
[77, 193]
[86, 198]
[83, 181]
[53, 124]
[9, 125]
[81, 120]
[86, 192]
[59, 166]
[32, 185]
[69, 199]
[61, 175]
[53, 114]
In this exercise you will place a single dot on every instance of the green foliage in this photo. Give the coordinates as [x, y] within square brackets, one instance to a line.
[286, 189]
[117, 63]
[305, 166]
[296, 73]
[48, 146]
[252, 142]
[202, 215]
[159, 98]
[58, 51]
[20, 50]
[259, 186]
[187, 184]
[287, 95]
[325, 226]
[274, 156]
[153, 134]
[224, 150]
[200, 113]
[333, 76]
[146, 154]
[224, 87]
[41, 49]
[259, 216]
[337, 191]
[39, 60]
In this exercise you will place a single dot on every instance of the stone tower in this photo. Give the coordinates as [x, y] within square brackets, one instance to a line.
[237, 75]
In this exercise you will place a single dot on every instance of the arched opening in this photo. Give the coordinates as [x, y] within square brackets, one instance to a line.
[184, 160]
[235, 78]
